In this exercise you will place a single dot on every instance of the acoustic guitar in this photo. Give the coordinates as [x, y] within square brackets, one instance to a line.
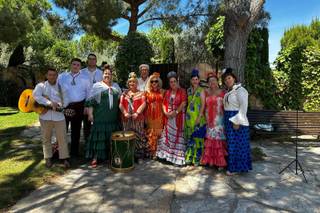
[28, 104]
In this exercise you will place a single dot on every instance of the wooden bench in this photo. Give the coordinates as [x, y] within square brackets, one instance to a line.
[285, 122]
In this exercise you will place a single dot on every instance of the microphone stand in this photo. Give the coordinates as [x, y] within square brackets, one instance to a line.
[296, 161]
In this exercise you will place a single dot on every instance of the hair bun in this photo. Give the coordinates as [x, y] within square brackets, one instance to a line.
[194, 73]
[172, 74]
[132, 75]
[227, 70]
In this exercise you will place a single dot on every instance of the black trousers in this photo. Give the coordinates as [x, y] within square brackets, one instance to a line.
[75, 121]
[86, 127]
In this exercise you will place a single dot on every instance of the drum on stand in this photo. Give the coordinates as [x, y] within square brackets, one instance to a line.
[122, 151]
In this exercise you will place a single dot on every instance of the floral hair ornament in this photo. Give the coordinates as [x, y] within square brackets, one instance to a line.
[155, 74]
[211, 75]
[194, 73]
[227, 70]
[132, 76]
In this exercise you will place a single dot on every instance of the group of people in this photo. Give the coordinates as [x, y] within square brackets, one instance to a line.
[196, 126]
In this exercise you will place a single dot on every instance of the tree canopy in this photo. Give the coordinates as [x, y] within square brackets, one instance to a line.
[98, 17]
[302, 35]
[215, 39]
[18, 18]
[133, 50]
[297, 68]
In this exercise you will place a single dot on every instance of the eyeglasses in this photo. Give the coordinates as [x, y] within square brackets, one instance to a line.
[155, 81]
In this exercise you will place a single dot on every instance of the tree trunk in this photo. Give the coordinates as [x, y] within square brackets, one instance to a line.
[235, 49]
[240, 17]
[133, 21]
[17, 57]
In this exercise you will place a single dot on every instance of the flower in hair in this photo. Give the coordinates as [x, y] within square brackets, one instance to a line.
[156, 74]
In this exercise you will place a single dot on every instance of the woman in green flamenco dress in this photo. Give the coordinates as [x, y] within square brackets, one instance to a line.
[103, 113]
[195, 128]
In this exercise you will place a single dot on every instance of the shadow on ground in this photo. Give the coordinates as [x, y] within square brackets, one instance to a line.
[156, 187]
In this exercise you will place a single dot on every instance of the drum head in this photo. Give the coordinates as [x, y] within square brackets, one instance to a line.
[123, 135]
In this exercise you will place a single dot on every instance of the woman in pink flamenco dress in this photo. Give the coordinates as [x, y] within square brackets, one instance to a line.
[215, 147]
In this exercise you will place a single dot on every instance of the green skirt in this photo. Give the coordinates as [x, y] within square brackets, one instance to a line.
[98, 142]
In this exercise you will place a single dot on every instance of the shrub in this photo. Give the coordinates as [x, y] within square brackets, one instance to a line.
[298, 78]
[311, 79]
[9, 91]
[133, 50]
[167, 50]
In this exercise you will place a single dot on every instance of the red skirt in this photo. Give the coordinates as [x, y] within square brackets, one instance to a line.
[215, 152]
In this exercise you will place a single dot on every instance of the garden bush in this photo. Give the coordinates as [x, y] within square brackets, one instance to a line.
[133, 50]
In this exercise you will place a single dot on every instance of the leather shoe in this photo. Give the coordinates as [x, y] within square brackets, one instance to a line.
[48, 163]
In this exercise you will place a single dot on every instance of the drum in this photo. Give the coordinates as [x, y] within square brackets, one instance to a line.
[122, 151]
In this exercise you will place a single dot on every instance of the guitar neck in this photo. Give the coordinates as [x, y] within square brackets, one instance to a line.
[58, 109]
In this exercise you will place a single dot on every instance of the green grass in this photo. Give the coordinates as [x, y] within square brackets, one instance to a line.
[13, 121]
[21, 160]
[22, 169]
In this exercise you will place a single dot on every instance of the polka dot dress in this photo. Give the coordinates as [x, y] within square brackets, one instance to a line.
[239, 156]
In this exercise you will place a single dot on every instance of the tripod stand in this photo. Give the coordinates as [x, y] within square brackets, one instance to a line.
[296, 161]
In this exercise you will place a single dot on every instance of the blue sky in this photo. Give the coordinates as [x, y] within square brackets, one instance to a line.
[284, 14]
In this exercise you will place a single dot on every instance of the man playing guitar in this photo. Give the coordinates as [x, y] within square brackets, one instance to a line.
[49, 95]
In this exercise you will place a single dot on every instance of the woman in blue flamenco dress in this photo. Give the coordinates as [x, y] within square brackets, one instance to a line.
[236, 125]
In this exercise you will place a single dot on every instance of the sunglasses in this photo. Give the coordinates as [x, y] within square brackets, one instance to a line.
[155, 81]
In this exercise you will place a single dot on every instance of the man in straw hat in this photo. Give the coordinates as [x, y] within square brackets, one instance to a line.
[144, 77]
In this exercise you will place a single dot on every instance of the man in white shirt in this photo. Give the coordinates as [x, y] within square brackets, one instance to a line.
[144, 77]
[94, 74]
[77, 88]
[49, 94]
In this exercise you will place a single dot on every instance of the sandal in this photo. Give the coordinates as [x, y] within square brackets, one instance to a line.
[66, 164]
[230, 173]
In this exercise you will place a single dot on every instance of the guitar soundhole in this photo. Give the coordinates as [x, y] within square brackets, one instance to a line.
[27, 101]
